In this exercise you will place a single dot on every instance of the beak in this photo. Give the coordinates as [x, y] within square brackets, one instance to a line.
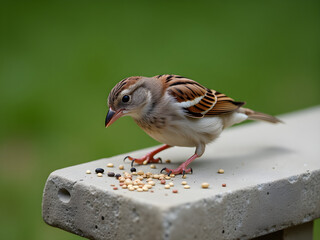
[112, 116]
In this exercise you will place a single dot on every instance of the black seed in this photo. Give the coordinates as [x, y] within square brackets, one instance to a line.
[118, 175]
[133, 169]
[99, 170]
[110, 174]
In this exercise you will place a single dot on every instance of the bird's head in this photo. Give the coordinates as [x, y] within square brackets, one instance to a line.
[130, 97]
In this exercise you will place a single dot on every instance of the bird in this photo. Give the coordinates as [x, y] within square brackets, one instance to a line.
[176, 111]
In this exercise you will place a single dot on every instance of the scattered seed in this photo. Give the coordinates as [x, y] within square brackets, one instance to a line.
[184, 183]
[205, 185]
[153, 166]
[135, 187]
[121, 184]
[133, 169]
[156, 176]
[124, 186]
[88, 172]
[172, 175]
[184, 176]
[175, 191]
[112, 185]
[140, 190]
[167, 177]
[163, 181]
[152, 183]
[128, 181]
[145, 188]
[121, 167]
[99, 174]
[118, 175]
[140, 178]
[148, 186]
[115, 188]
[145, 162]
[140, 173]
[149, 179]
[122, 179]
[110, 174]
[110, 165]
[171, 184]
[167, 186]
[131, 188]
[224, 185]
[168, 161]
[99, 170]
[186, 186]
[134, 173]
[221, 171]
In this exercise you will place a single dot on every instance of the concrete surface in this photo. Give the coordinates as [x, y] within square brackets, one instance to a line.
[272, 173]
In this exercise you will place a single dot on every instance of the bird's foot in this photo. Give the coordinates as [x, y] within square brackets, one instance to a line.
[182, 169]
[143, 160]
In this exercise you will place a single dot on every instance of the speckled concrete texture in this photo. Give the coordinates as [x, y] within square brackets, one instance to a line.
[272, 177]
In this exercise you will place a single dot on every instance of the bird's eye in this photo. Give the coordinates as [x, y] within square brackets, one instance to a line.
[125, 98]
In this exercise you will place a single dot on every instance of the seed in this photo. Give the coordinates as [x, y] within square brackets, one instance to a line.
[167, 186]
[99, 174]
[168, 161]
[121, 167]
[152, 183]
[140, 186]
[118, 175]
[135, 187]
[128, 181]
[88, 172]
[224, 185]
[153, 166]
[110, 174]
[115, 188]
[140, 178]
[122, 179]
[184, 183]
[140, 172]
[134, 173]
[121, 184]
[140, 190]
[156, 176]
[99, 170]
[148, 186]
[175, 191]
[145, 162]
[167, 177]
[186, 186]
[221, 171]
[110, 165]
[172, 175]
[145, 189]
[133, 169]
[205, 185]
[149, 179]
[163, 182]
[131, 188]
[171, 184]
[184, 176]
[130, 185]
[161, 178]
[124, 186]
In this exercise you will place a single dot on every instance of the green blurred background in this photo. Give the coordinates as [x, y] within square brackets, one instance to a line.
[60, 59]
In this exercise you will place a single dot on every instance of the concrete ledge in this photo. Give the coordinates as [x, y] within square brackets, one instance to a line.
[272, 173]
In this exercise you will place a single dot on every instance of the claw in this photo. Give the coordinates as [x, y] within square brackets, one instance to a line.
[183, 173]
[125, 158]
[160, 160]
[169, 173]
[191, 170]
[163, 169]
[132, 163]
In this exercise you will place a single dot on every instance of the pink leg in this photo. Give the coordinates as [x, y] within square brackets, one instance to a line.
[182, 168]
[148, 158]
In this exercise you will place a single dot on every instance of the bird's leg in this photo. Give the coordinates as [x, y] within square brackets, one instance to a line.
[148, 158]
[182, 169]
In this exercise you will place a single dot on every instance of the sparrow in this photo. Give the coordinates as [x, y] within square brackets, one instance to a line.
[176, 111]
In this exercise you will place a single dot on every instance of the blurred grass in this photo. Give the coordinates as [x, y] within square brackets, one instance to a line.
[59, 60]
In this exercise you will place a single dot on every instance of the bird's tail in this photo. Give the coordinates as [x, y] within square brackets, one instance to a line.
[253, 115]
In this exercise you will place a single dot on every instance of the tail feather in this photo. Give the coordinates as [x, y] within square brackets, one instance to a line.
[253, 115]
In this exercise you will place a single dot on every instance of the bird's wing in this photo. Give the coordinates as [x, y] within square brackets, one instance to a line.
[197, 100]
